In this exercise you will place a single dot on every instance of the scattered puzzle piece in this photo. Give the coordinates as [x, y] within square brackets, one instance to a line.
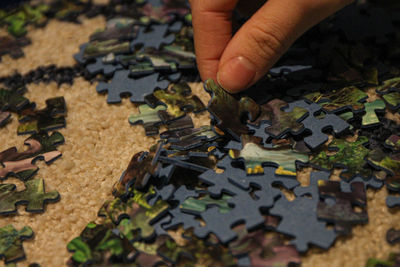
[11, 243]
[50, 118]
[20, 164]
[33, 196]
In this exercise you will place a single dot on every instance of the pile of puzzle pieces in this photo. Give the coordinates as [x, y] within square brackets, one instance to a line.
[226, 193]
[213, 195]
[41, 145]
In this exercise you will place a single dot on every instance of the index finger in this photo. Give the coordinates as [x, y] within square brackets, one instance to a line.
[212, 26]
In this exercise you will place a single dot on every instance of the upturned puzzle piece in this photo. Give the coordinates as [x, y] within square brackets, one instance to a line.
[316, 125]
[121, 84]
[299, 217]
[154, 36]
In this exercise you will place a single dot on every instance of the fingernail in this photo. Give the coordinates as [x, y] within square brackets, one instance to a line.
[236, 74]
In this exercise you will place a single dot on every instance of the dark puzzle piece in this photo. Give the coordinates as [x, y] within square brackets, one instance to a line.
[317, 125]
[299, 217]
[11, 249]
[393, 236]
[227, 111]
[263, 250]
[13, 46]
[121, 84]
[281, 122]
[20, 164]
[50, 118]
[4, 118]
[342, 212]
[13, 100]
[33, 196]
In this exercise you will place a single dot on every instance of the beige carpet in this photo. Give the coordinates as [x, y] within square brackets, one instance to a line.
[98, 147]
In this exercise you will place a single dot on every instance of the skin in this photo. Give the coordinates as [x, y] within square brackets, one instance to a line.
[238, 61]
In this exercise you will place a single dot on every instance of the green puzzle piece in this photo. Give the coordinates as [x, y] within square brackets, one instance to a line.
[199, 205]
[390, 92]
[148, 117]
[337, 100]
[18, 18]
[370, 118]
[179, 100]
[348, 155]
[140, 214]
[33, 196]
[11, 242]
[255, 155]
[94, 240]
[12, 100]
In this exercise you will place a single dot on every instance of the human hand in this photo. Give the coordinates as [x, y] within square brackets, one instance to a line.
[238, 61]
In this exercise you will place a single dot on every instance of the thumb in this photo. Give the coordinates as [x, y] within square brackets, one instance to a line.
[263, 39]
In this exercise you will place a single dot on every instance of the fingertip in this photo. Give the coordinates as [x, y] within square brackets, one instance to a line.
[236, 74]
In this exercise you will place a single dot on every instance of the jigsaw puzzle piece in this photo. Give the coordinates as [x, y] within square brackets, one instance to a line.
[281, 122]
[41, 146]
[13, 100]
[370, 119]
[263, 250]
[11, 249]
[95, 241]
[4, 118]
[342, 213]
[33, 196]
[299, 217]
[255, 156]
[148, 117]
[316, 125]
[106, 65]
[179, 100]
[227, 111]
[121, 84]
[50, 118]
[347, 155]
[340, 100]
[153, 36]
